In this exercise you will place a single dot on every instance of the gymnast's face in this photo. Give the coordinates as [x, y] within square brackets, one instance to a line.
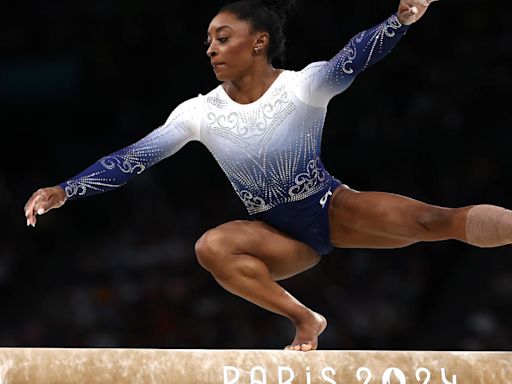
[231, 44]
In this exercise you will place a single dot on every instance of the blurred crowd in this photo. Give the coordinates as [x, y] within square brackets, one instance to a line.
[81, 79]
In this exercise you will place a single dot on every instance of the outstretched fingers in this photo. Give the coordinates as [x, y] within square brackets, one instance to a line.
[33, 206]
[410, 11]
[42, 201]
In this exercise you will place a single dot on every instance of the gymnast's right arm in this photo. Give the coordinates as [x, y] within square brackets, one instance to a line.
[116, 169]
[318, 82]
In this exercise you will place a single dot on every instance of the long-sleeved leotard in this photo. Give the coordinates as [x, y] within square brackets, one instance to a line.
[269, 149]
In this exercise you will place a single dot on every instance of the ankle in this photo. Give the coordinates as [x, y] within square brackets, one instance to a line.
[305, 317]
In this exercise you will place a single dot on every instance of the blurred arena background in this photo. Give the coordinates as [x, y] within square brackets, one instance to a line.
[81, 79]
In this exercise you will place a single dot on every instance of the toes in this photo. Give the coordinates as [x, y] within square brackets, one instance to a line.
[299, 347]
[292, 348]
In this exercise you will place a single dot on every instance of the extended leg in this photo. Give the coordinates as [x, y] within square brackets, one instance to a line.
[247, 257]
[386, 220]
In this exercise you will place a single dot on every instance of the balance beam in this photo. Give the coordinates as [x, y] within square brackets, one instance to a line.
[120, 366]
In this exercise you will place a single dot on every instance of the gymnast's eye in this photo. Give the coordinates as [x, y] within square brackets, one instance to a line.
[223, 40]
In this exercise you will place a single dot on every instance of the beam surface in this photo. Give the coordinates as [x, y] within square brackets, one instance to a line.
[120, 366]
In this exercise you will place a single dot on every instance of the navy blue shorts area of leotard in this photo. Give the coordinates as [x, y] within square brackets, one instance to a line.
[305, 220]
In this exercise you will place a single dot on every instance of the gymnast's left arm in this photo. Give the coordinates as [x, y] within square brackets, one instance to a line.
[116, 169]
[319, 82]
[112, 171]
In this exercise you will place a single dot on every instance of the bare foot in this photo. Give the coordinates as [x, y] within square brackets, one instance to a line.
[307, 332]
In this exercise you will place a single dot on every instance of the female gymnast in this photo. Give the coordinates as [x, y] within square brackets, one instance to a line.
[264, 125]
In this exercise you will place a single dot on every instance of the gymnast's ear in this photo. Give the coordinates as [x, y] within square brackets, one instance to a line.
[262, 41]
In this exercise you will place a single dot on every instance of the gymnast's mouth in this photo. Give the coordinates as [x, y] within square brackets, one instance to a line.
[217, 65]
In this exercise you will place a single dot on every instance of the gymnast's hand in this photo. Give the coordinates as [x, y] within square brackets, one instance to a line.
[42, 201]
[410, 11]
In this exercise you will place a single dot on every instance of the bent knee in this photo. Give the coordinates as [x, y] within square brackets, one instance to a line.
[214, 246]
[209, 248]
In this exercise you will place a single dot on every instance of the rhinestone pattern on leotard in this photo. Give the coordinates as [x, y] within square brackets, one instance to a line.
[269, 149]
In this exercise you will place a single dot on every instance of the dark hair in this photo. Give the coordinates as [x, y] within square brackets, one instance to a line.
[266, 16]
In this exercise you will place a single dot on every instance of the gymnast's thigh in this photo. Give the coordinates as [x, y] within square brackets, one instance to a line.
[283, 255]
[368, 220]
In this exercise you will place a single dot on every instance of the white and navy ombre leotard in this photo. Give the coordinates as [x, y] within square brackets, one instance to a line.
[268, 149]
